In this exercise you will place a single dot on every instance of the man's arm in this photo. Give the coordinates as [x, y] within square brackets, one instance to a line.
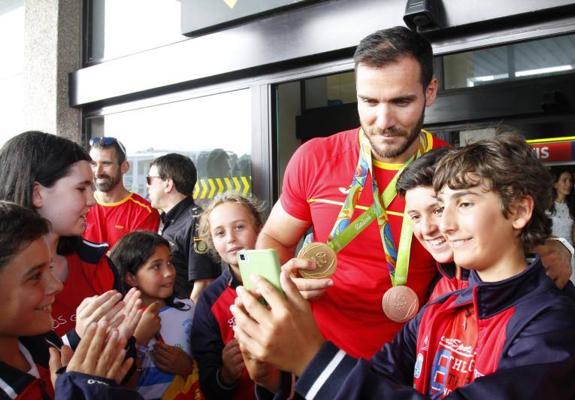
[556, 259]
[202, 270]
[199, 286]
[286, 336]
[281, 232]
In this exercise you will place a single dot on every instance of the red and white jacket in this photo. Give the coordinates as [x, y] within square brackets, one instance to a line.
[513, 339]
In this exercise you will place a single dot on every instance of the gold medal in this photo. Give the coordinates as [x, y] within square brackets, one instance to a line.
[400, 303]
[324, 258]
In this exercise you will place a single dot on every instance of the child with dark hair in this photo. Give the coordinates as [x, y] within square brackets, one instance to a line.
[415, 185]
[52, 176]
[508, 335]
[28, 355]
[164, 361]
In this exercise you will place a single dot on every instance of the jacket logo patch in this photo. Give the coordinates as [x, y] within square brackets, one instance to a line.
[418, 366]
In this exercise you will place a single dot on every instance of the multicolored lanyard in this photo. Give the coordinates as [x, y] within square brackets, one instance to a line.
[344, 231]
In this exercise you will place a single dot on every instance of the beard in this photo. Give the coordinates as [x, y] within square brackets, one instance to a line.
[105, 183]
[389, 152]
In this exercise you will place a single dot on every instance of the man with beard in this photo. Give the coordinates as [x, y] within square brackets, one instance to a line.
[322, 189]
[117, 211]
[328, 185]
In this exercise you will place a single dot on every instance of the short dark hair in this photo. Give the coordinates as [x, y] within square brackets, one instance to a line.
[180, 169]
[132, 251]
[119, 149]
[19, 226]
[510, 168]
[420, 172]
[35, 157]
[388, 46]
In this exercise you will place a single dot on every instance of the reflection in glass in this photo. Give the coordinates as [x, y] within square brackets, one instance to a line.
[531, 59]
[330, 90]
[153, 23]
[312, 107]
[214, 131]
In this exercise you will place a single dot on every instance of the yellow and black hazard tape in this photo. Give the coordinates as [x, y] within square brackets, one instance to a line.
[208, 188]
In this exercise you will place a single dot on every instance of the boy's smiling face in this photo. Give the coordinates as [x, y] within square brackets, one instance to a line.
[27, 290]
[481, 237]
[425, 212]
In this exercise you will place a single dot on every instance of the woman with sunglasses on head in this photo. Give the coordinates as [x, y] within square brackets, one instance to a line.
[52, 176]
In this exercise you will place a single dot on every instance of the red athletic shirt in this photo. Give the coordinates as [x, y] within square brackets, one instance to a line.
[108, 222]
[315, 186]
[89, 274]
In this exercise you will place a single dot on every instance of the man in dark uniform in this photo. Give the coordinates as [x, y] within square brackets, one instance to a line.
[171, 181]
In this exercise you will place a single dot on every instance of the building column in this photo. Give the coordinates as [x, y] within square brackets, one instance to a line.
[52, 50]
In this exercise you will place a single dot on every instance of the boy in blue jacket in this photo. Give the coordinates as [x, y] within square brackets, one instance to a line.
[509, 335]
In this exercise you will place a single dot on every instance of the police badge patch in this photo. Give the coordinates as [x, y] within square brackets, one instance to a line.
[200, 246]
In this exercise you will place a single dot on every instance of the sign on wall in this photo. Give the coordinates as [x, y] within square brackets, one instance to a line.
[554, 149]
[198, 16]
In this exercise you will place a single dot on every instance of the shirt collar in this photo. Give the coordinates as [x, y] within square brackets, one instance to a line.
[176, 211]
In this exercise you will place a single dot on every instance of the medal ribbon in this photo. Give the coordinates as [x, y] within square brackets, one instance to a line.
[344, 231]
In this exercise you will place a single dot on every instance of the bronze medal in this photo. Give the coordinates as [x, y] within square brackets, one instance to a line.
[324, 258]
[400, 303]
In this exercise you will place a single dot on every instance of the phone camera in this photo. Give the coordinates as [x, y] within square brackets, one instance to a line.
[243, 257]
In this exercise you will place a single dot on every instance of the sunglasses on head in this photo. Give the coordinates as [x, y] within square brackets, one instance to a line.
[106, 141]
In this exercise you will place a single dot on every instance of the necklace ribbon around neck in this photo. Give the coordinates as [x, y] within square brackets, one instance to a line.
[345, 230]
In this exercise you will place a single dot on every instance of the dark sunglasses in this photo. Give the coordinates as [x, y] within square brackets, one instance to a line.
[106, 141]
[149, 179]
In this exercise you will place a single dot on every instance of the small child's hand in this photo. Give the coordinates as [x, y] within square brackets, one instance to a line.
[106, 306]
[149, 324]
[132, 313]
[100, 354]
[233, 363]
[172, 359]
[58, 358]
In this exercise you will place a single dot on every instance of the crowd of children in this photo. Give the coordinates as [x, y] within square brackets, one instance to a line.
[493, 320]
[79, 324]
[93, 325]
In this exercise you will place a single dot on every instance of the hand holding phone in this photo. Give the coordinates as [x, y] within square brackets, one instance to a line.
[262, 262]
